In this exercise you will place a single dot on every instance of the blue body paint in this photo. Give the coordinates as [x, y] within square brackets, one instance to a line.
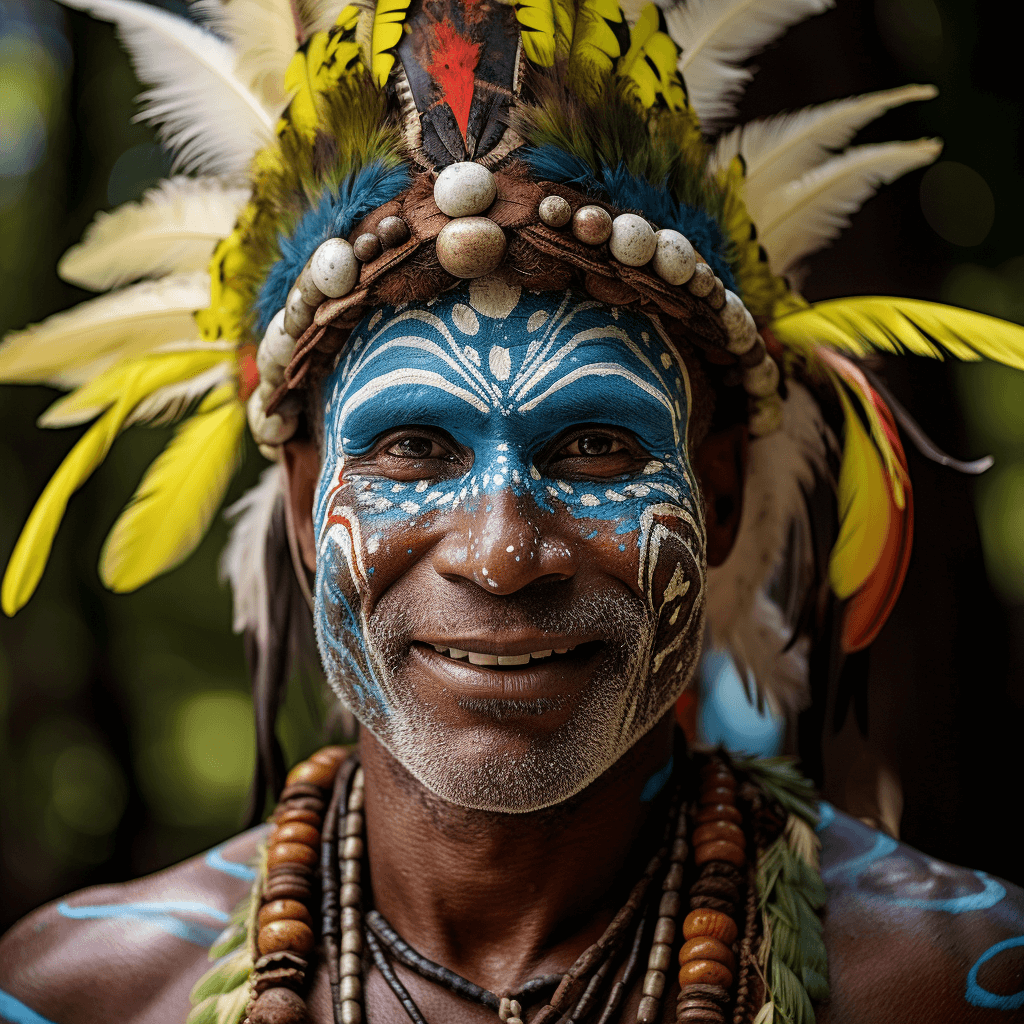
[656, 783]
[15, 1011]
[978, 996]
[214, 859]
[159, 915]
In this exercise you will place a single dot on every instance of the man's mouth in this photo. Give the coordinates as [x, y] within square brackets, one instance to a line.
[483, 658]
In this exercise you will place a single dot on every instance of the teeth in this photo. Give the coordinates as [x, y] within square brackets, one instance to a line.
[454, 652]
[562, 650]
[540, 654]
[514, 659]
[482, 659]
[499, 659]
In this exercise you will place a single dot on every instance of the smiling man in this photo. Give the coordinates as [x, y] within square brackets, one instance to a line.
[543, 411]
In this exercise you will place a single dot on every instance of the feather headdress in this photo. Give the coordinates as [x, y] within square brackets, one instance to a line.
[297, 122]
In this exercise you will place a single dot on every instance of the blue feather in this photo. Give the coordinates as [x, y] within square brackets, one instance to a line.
[336, 214]
[628, 192]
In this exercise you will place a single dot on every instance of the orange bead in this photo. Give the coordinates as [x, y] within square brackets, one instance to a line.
[706, 948]
[292, 853]
[710, 795]
[284, 910]
[278, 935]
[321, 775]
[717, 775]
[712, 830]
[719, 812]
[719, 849]
[330, 755]
[299, 814]
[709, 922]
[705, 972]
[296, 832]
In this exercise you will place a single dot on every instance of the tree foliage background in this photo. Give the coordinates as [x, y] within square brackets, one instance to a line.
[125, 724]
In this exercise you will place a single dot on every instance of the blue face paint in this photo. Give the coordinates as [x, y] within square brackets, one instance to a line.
[505, 378]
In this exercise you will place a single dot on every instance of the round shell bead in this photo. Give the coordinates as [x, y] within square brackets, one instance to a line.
[716, 297]
[732, 312]
[767, 417]
[352, 941]
[464, 189]
[632, 240]
[298, 315]
[334, 268]
[351, 965]
[268, 430]
[592, 225]
[744, 337]
[392, 232]
[367, 247]
[351, 986]
[762, 380]
[351, 894]
[353, 848]
[470, 247]
[674, 258]
[555, 211]
[278, 344]
[271, 371]
[311, 294]
[701, 281]
[351, 1012]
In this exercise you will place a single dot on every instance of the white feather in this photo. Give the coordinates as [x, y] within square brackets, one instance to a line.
[243, 561]
[807, 214]
[70, 348]
[778, 150]
[169, 404]
[205, 114]
[740, 616]
[716, 36]
[173, 229]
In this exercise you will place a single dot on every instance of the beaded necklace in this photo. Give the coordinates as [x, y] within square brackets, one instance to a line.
[319, 825]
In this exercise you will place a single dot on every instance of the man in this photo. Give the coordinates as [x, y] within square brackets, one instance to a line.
[513, 426]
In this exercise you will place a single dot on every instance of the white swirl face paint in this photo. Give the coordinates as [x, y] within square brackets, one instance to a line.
[510, 542]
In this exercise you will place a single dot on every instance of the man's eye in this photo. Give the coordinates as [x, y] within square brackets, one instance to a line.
[593, 444]
[417, 448]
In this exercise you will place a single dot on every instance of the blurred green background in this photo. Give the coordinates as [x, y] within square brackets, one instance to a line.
[125, 725]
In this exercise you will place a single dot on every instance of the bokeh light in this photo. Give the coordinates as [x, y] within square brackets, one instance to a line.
[957, 203]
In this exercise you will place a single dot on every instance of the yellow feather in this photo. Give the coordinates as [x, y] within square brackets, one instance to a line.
[387, 33]
[594, 45]
[863, 509]
[537, 23]
[178, 497]
[881, 324]
[33, 547]
[103, 391]
[650, 63]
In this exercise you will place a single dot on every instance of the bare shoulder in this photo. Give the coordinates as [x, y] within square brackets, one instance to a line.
[128, 952]
[914, 940]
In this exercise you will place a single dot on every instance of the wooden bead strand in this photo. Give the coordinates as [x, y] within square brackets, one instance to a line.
[284, 936]
[351, 899]
[707, 959]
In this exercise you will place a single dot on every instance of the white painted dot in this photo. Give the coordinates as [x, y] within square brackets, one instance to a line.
[551, 490]
[666, 360]
[536, 321]
[534, 473]
[510, 548]
[500, 362]
[565, 487]
[492, 583]
[502, 447]
[411, 507]
[498, 479]
[487, 479]
[485, 570]
[421, 486]
[515, 476]
[614, 496]
[653, 467]
[372, 544]
[590, 500]
[501, 458]
[465, 319]
[397, 488]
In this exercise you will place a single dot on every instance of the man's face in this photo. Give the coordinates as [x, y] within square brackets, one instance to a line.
[510, 547]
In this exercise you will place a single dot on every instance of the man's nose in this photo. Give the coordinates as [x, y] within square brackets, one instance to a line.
[504, 544]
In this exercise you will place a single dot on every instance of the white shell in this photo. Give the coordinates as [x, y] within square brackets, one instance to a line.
[555, 211]
[270, 369]
[469, 247]
[277, 342]
[632, 241]
[674, 258]
[464, 189]
[702, 280]
[334, 268]
[311, 294]
[766, 417]
[266, 429]
[732, 312]
[744, 337]
[761, 380]
[297, 315]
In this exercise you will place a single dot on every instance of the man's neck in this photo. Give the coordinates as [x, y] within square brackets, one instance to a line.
[501, 898]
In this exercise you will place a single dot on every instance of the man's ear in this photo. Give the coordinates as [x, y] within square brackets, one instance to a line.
[301, 461]
[721, 462]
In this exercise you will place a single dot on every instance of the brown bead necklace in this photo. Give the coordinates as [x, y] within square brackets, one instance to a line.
[319, 824]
